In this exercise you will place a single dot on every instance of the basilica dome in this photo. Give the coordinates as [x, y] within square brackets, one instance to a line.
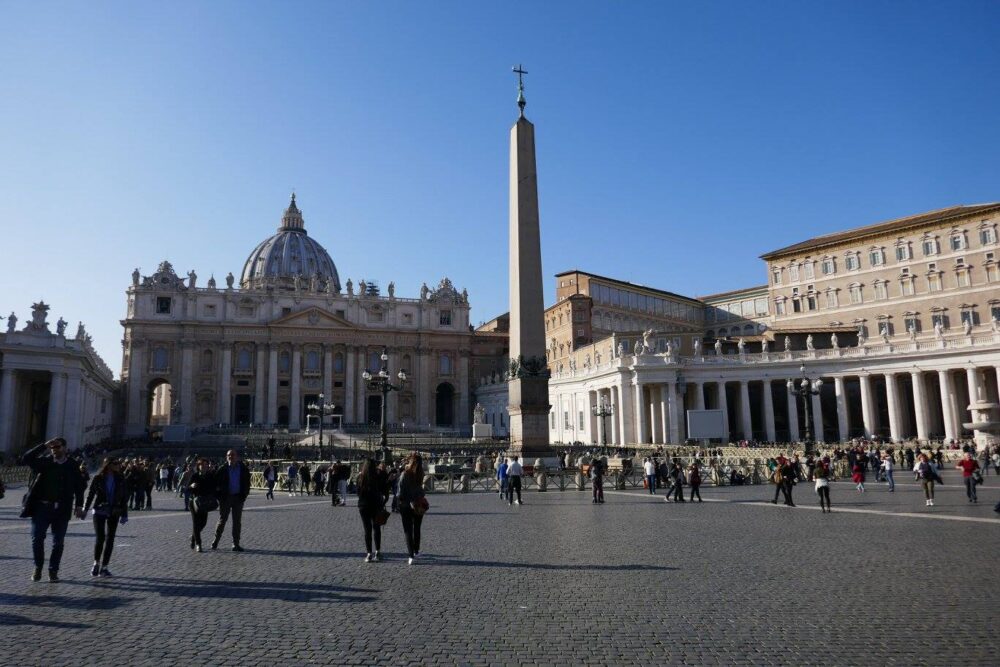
[290, 255]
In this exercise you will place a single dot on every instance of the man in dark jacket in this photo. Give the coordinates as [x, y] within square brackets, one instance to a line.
[56, 491]
[232, 483]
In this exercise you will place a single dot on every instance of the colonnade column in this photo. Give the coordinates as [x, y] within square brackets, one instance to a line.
[948, 407]
[866, 405]
[224, 388]
[295, 400]
[328, 373]
[640, 414]
[745, 417]
[975, 385]
[794, 434]
[259, 384]
[655, 425]
[187, 382]
[893, 400]
[699, 395]
[624, 414]
[769, 430]
[272, 384]
[349, 373]
[424, 387]
[57, 401]
[843, 430]
[463, 388]
[919, 404]
[71, 420]
[724, 406]
[8, 391]
[665, 420]
[616, 411]
[817, 408]
[673, 414]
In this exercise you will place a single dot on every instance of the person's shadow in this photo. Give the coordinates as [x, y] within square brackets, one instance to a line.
[245, 590]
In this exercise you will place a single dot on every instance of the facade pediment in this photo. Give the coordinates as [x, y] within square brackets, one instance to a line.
[312, 317]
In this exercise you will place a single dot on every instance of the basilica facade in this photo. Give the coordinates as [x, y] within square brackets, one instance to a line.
[265, 346]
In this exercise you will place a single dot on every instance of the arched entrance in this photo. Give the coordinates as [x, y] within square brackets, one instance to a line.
[159, 405]
[444, 405]
[374, 410]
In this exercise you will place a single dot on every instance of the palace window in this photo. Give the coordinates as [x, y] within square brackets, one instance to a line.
[939, 317]
[793, 272]
[811, 301]
[855, 291]
[445, 318]
[881, 290]
[161, 359]
[995, 310]
[829, 266]
[809, 270]
[987, 234]
[284, 362]
[969, 315]
[963, 273]
[779, 306]
[444, 365]
[876, 257]
[903, 251]
[852, 262]
[776, 275]
[796, 301]
[933, 282]
[312, 361]
[338, 363]
[911, 322]
[992, 271]
[958, 241]
[930, 246]
[243, 360]
[831, 298]
[163, 305]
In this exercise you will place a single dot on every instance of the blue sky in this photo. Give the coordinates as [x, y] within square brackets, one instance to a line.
[676, 141]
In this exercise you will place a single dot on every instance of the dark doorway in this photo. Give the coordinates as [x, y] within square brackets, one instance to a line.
[283, 415]
[444, 411]
[374, 414]
[243, 408]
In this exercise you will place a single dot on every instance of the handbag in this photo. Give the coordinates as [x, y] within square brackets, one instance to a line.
[382, 517]
[420, 506]
[977, 476]
[205, 504]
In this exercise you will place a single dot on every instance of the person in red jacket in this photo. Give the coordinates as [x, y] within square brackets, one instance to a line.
[968, 466]
[858, 476]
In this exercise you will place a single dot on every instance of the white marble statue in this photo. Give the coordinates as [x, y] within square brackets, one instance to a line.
[763, 346]
[718, 347]
[938, 331]
[350, 287]
[638, 348]
[392, 289]
[670, 349]
[834, 343]
[861, 337]
[697, 347]
[621, 349]
[809, 343]
[230, 279]
[423, 292]
[211, 281]
[11, 322]
[135, 277]
[192, 279]
[885, 333]
[480, 414]
[61, 327]
[647, 340]
[912, 331]
[81, 332]
[967, 327]
[362, 288]
[995, 324]
[788, 344]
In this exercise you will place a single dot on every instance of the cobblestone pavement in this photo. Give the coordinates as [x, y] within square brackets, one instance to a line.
[557, 581]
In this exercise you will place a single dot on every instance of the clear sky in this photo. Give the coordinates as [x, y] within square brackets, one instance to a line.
[676, 141]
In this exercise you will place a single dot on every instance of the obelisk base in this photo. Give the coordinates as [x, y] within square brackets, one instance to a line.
[529, 417]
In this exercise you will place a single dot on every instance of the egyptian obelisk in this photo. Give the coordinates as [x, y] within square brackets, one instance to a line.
[528, 388]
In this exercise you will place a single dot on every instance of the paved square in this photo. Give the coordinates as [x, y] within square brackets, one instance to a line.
[555, 581]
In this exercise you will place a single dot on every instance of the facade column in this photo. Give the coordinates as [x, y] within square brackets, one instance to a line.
[866, 405]
[225, 385]
[675, 418]
[72, 430]
[947, 387]
[349, 378]
[665, 421]
[745, 417]
[699, 395]
[640, 414]
[424, 387]
[919, 405]
[892, 398]
[724, 406]
[8, 393]
[625, 423]
[328, 373]
[57, 402]
[135, 413]
[770, 431]
[794, 434]
[260, 383]
[616, 411]
[600, 420]
[272, 384]
[655, 426]
[295, 399]
[975, 386]
[817, 408]
[187, 382]
[843, 427]
[392, 400]
[463, 389]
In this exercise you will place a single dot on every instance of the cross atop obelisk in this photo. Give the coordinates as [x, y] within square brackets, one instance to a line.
[527, 389]
[520, 71]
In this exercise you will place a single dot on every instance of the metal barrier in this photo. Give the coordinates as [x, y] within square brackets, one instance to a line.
[15, 474]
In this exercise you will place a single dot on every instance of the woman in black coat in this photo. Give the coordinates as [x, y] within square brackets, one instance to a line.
[109, 496]
[372, 494]
[203, 500]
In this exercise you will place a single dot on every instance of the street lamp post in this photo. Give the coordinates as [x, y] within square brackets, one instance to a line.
[603, 410]
[381, 383]
[322, 408]
[805, 390]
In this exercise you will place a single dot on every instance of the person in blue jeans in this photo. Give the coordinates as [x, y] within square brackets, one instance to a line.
[887, 470]
[55, 495]
[502, 478]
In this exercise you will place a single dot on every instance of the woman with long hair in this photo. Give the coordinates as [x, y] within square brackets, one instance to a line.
[108, 495]
[203, 500]
[371, 502]
[412, 503]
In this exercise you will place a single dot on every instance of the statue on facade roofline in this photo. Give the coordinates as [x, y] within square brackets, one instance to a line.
[938, 330]
[192, 279]
[362, 288]
[230, 280]
[81, 333]
[135, 277]
[621, 347]
[647, 340]
[350, 287]
[423, 292]
[392, 294]
[61, 327]
[465, 295]
[211, 281]
[638, 348]
[11, 322]
[314, 282]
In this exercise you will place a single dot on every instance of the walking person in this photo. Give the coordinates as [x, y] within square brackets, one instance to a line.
[270, 479]
[649, 470]
[412, 503]
[108, 496]
[887, 467]
[858, 477]
[202, 490]
[969, 466]
[54, 495]
[502, 478]
[694, 479]
[597, 479]
[372, 495]
[514, 471]
[292, 478]
[927, 475]
[305, 479]
[821, 473]
[343, 476]
[232, 483]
